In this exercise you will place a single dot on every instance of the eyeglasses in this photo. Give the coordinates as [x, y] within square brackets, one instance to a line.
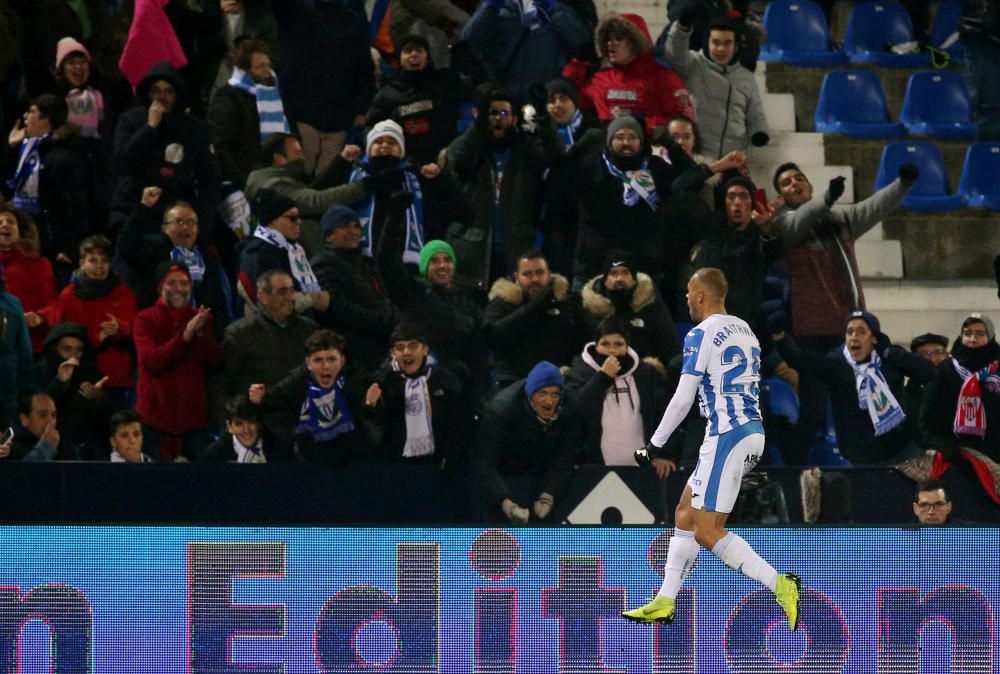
[182, 222]
[500, 113]
[936, 505]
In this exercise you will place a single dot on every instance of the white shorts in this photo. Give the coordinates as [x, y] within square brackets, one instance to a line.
[722, 462]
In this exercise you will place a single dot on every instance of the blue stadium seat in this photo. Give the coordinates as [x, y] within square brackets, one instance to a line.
[930, 193]
[980, 182]
[781, 398]
[798, 34]
[852, 103]
[875, 24]
[825, 451]
[937, 104]
[946, 23]
[464, 117]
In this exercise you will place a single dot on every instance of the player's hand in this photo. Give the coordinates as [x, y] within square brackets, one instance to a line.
[663, 467]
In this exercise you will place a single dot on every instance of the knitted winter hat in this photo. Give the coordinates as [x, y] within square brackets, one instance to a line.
[542, 375]
[564, 86]
[168, 268]
[67, 46]
[868, 318]
[335, 217]
[981, 318]
[432, 248]
[386, 127]
[268, 206]
[619, 258]
[624, 122]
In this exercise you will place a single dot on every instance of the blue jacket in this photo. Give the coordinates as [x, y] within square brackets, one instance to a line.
[519, 56]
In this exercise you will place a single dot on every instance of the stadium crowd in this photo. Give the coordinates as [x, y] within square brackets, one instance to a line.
[449, 232]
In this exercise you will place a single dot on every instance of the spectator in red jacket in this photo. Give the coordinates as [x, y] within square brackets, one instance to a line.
[27, 275]
[633, 83]
[175, 346]
[97, 299]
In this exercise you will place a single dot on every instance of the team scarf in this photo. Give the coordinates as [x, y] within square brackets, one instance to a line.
[253, 454]
[86, 110]
[970, 415]
[25, 180]
[570, 131]
[414, 217]
[297, 258]
[325, 413]
[636, 184]
[874, 394]
[532, 16]
[269, 107]
[192, 258]
[417, 408]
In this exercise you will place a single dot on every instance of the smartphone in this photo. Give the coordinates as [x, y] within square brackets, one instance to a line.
[6, 436]
[760, 198]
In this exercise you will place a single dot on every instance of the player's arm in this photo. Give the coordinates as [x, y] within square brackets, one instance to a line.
[677, 410]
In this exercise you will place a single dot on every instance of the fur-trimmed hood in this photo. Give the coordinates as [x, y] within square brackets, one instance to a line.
[632, 26]
[600, 306]
[510, 292]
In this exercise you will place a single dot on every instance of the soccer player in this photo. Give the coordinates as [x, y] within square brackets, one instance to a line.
[721, 364]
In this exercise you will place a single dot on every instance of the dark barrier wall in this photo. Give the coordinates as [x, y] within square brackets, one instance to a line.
[164, 600]
[393, 494]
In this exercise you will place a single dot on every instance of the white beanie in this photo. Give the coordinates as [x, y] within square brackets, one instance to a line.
[386, 127]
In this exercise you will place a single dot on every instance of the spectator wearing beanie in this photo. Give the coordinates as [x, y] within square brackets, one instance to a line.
[360, 308]
[436, 24]
[275, 245]
[743, 244]
[449, 313]
[629, 296]
[865, 379]
[559, 215]
[529, 440]
[175, 349]
[422, 99]
[85, 102]
[622, 189]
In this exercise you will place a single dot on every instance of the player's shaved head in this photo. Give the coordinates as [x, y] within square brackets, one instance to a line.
[713, 282]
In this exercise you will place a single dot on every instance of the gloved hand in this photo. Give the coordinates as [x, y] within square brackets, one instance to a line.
[645, 455]
[760, 139]
[688, 16]
[835, 190]
[777, 322]
[882, 344]
[543, 505]
[400, 200]
[514, 512]
[908, 173]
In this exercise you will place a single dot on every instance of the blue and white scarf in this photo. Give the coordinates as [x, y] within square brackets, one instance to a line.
[253, 454]
[298, 261]
[325, 413]
[25, 180]
[192, 258]
[417, 410]
[874, 395]
[532, 16]
[414, 218]
[269, 107]
[636, 184]
[569, 131]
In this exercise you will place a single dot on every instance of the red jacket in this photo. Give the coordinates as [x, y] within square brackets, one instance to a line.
[643, 87]
[29, 278]
[171, 393]
[114, 355]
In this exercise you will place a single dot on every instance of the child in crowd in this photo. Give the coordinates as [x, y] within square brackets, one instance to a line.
[126, 438]
[245, 439]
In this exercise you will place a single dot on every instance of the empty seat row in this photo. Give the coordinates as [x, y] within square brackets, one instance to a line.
[937, 103]
[977, 187]
[798, 34]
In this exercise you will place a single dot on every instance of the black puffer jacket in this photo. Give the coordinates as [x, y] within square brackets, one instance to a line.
[651, 328]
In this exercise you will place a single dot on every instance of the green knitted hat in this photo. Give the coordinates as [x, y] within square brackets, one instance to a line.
[432, 248]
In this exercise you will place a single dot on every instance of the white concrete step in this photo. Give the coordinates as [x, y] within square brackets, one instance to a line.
[910, 308]
[819, 176]
[779, 109]
[805, 149]
[879, 259]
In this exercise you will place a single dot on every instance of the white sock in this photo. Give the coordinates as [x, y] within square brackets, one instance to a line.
[737, 554]
[681, 555]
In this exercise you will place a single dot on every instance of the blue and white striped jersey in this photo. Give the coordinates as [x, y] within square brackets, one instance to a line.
[725, 354]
